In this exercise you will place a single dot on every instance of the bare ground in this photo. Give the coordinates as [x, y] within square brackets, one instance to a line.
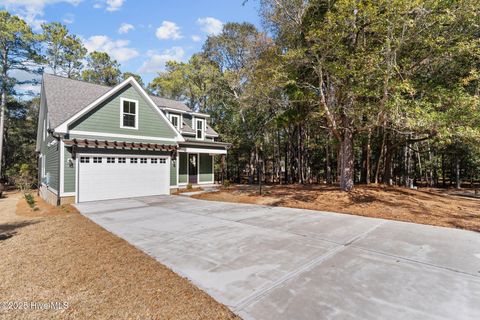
[426, 206]
[57, 255]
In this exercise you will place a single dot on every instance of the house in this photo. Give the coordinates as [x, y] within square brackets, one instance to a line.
[96, 142]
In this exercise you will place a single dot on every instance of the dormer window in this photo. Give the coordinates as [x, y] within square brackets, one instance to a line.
[175, 119]
[199, 127]
[128, 114]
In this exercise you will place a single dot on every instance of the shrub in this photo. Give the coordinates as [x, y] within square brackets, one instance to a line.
[226, 183]
[22, 175]
[189, 186]
[30, 200]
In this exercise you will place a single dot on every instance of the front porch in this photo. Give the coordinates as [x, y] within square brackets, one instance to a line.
[196, 162]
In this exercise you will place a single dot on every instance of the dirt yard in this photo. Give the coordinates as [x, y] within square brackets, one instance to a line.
[426, 206]
[56, 255]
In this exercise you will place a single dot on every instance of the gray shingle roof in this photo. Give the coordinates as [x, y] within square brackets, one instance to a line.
[188, 129]
[210, 131]
[65, 97]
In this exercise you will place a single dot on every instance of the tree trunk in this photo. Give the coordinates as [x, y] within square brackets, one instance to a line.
[380, 156]
[328, 165]
[346, 156]
[365, 161]
[457, 172]
[3, 105]
[444, 171]
[387, 173]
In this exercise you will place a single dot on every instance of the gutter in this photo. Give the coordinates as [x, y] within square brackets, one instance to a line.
[207, 144]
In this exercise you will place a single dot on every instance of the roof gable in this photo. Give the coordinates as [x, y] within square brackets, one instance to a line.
[66, 97]
[106, 117]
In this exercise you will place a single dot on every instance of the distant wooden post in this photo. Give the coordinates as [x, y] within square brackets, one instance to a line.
[223, 168]
[259, 171]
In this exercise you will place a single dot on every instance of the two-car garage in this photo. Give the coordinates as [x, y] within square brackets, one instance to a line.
[102, 177]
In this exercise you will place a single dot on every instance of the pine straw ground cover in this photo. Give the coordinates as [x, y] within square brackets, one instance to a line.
[57, 255]
[426, 206]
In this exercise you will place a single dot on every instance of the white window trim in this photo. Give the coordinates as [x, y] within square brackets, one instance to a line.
[203, 129]
[136, 113]
[178, 120]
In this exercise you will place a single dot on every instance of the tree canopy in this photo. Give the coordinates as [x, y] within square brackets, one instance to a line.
[341, 91]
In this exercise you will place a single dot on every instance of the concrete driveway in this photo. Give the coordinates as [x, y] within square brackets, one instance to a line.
[281, 263]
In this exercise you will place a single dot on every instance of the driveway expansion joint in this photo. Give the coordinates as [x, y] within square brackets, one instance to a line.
[275, 263]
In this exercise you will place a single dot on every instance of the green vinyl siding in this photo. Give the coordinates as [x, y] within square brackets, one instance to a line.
[173, 173]
[206, 166]
[68, 172]
[52, 161]
[119, 139]
[105, 118]
[183, 168]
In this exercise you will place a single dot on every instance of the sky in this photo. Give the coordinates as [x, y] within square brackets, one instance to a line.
[140, 34]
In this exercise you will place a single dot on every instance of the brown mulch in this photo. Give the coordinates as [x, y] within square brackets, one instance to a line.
[43, 209]
[185, 190]
[426, 206]
[57, 255]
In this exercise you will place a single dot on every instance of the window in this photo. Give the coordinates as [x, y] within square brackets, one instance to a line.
[163, 160]
[133, 160]
[153, 160]
[97, 159]
[175, 119]
[110, 160]
[129, 114]
[84, 160]
[143, 160]
[122, 160]
[200, 124]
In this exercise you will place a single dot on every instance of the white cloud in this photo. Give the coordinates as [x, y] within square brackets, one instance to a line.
[110, 5]
[210, 25]
[118, 49]
[114, 5]
[125, 28]
[27, 88]
[196, 38]
[32, 10]
[168, 30]
[69, 18]
[156, 60]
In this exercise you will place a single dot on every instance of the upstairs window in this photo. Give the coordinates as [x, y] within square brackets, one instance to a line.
[129, 114]
[200, 127]
[175, 119]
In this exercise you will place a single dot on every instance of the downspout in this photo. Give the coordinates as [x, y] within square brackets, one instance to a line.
[58, 138]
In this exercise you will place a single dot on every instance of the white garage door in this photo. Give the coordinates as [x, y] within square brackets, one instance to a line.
[116, 177]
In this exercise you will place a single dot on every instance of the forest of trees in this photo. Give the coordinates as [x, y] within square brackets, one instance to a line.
[329, 91]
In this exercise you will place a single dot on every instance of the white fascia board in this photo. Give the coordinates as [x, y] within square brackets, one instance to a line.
[186, 112]
[200, 150]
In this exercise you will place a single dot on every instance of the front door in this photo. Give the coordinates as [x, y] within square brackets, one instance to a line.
[192, 168]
